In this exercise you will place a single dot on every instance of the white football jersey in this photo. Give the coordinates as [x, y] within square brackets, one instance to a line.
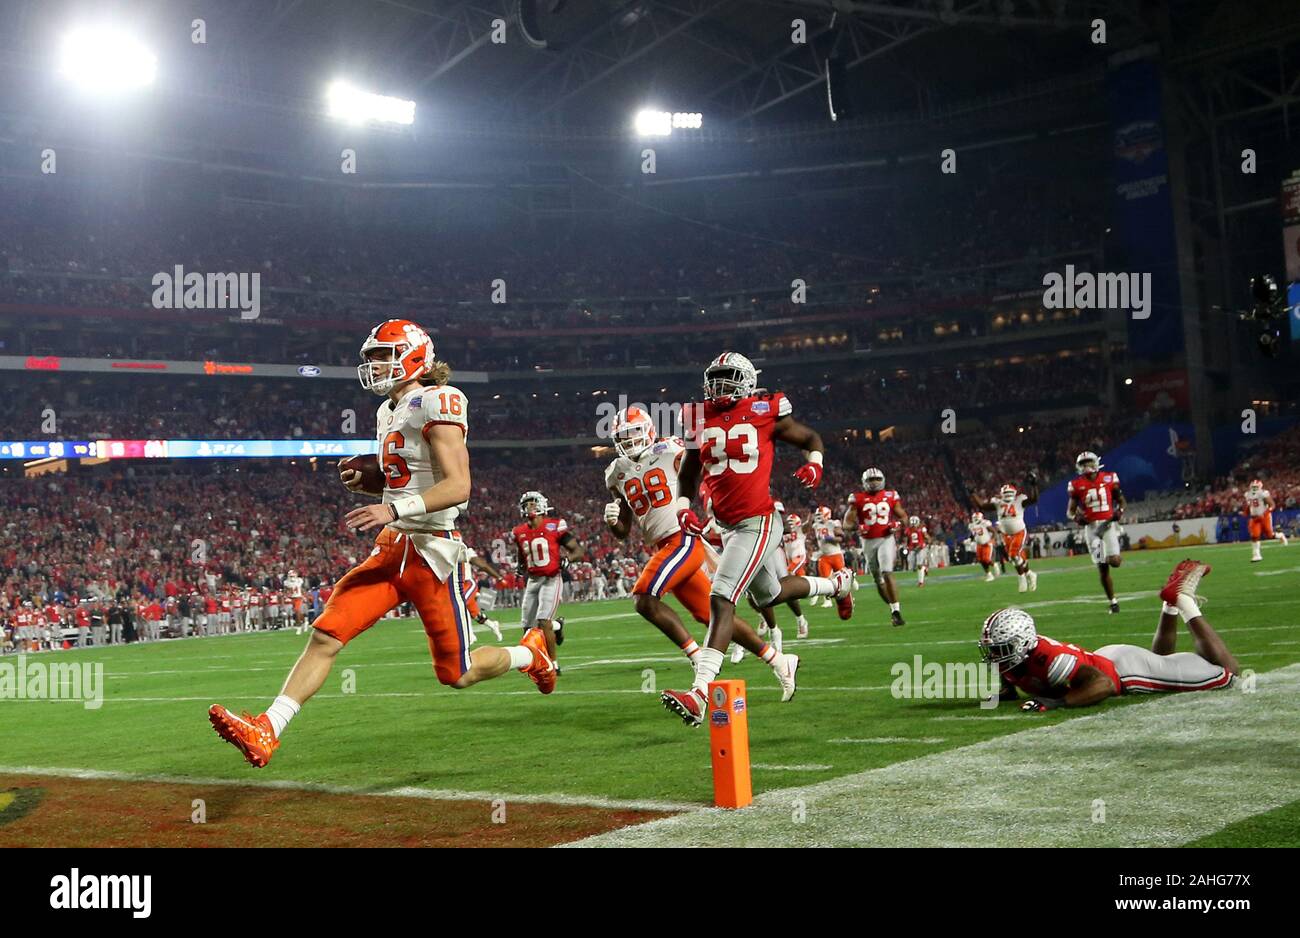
[405, 455]
[1257, 502]
[649, 485]
[982, 531]
[823, 529]
[795, 546]
[294, 585]
[1011, 513]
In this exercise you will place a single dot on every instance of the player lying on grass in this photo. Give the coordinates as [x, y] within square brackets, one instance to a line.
[418, 555]
[1060, 675]
[643, 481]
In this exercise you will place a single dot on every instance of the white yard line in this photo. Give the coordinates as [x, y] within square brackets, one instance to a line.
[1162, 773]
[428, 794]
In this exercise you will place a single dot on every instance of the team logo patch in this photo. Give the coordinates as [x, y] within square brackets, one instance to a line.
[761, 407]
[659, 447]
[738, 705]
[309, 371]
[415, 401]
[719, 717]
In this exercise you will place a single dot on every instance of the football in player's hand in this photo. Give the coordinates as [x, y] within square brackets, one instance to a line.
[362, 474]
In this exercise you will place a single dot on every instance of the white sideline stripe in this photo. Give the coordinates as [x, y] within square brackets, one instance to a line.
[1169, 770]
[877, 740]
[813, 767]
[427, 794]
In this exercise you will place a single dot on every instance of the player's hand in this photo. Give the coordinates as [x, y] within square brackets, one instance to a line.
[809, 475]
[690, 522]
[369, 516]
[613, 511]
[1039, 705]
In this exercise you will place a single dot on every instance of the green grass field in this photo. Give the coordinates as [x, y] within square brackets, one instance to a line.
[843, 763]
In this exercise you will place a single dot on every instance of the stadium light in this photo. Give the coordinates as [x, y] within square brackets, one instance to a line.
[356, 106]
[103, 59]
[652, 123]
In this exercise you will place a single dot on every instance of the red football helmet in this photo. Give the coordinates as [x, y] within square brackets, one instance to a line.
[410, 355]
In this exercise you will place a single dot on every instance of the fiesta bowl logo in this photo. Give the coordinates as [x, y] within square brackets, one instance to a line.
[309, 371]
[1136, 142]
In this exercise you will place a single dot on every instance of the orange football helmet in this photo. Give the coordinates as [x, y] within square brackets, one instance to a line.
[410, 355]
[633, 432]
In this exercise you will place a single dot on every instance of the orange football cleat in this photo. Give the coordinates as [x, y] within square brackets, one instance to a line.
[251, 735]
[542, 671]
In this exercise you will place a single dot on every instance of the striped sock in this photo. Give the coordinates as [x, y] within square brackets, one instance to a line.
[691, 648]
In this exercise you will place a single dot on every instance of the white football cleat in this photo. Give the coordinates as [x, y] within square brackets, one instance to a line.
[736, 653]
[803, 627]
[776, 640]
[786, 675]
[1023, 585]
[988, 577]
[495, 626]
[1033, 580]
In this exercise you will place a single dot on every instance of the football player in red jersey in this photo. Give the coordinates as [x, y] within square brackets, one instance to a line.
[1055, 674]
[877, 512]
[643, 481]
[1097, 502]
[916, 538]
[732, 438]
[421, 428]
[545, 544]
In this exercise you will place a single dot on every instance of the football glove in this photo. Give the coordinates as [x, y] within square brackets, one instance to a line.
[809, 475]
[613, 511]
[1041, 704]
[690, 522]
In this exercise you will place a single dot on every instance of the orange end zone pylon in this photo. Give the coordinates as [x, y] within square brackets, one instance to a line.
[729, 744]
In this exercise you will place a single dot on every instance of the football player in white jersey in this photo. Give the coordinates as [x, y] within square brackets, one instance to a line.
[643, 481]
[1259, 514]
[828, 535]
[981, 531]
[293, 589]
[418, 555]
[1009, 506]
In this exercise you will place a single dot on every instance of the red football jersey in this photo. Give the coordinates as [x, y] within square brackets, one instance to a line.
[540, 546]
[736, 451]
[875, 511]
[1096, 495]
[916, 538]
[1051, 666]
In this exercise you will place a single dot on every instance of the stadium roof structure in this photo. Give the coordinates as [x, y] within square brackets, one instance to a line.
[260, 72]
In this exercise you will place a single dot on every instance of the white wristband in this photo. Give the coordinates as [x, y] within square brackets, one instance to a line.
[406, 504]
[815, 456]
